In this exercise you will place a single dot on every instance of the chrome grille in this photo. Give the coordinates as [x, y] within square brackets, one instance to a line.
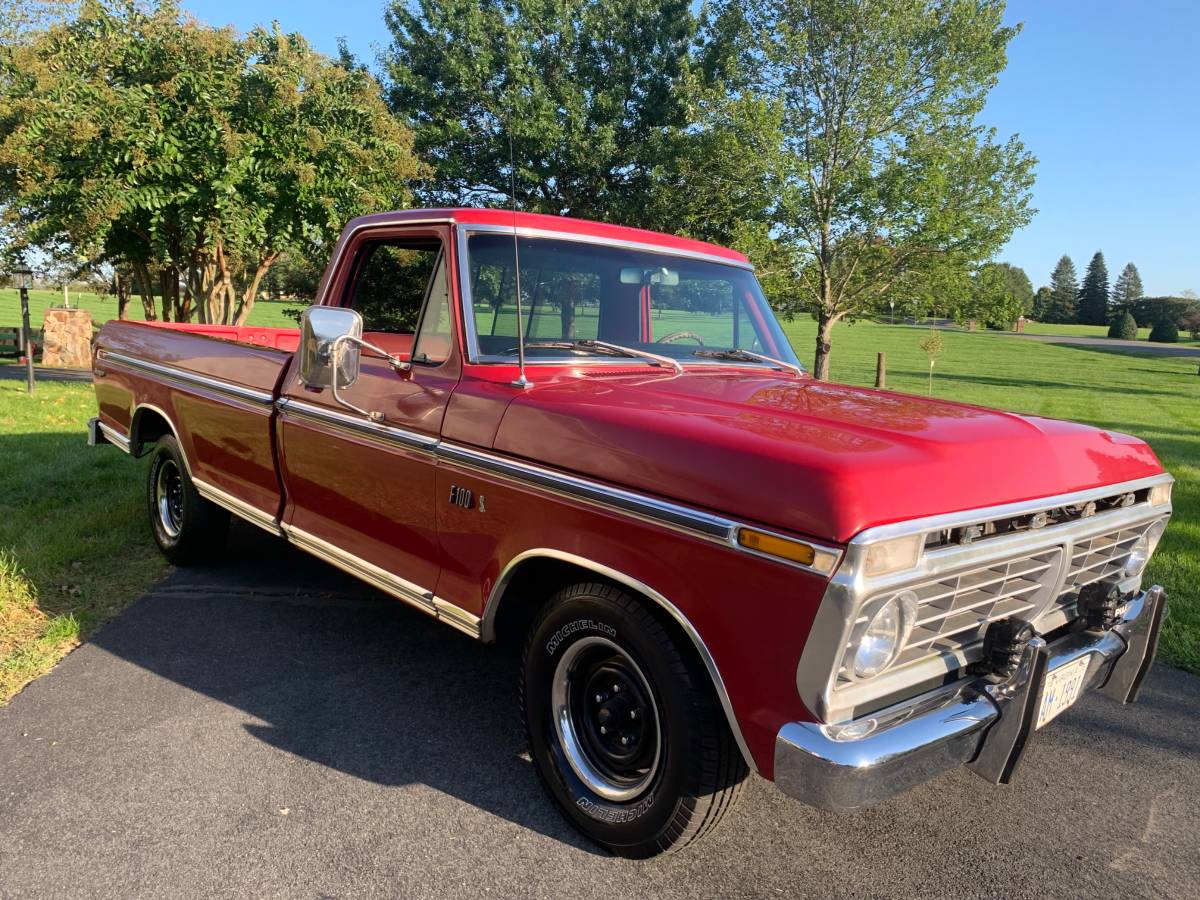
[1098, 558]
[954, 610]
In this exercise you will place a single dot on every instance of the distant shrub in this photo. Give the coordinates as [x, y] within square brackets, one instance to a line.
[1191, 322]
[1165, 331]
[1124, 327]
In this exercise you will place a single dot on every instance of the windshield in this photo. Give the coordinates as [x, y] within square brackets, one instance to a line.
[666, 305]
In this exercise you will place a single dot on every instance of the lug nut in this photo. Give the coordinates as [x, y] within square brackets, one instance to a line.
[633, 714]
[599, 698]
[603, 730]
[624, 741]
[616, 689]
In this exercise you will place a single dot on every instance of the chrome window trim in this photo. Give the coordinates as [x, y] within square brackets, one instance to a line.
[491, 608]
[250, 395]
[816, 673]
[348, 238]
[467, 307]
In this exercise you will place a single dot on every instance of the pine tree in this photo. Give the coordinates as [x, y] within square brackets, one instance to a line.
[1042, 303]
[1127, 291]
[1093, 296]
[1064, 293]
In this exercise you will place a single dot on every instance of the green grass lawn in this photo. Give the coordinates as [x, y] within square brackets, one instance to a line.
[266, 313]
[1099, 331]
[75, 546]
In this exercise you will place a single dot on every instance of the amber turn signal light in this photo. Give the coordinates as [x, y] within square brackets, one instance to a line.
[773, 545]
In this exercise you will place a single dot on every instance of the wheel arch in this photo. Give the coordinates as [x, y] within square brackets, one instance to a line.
[148, 424]
[550, 569]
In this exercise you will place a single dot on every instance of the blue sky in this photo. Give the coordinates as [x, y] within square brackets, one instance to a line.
[1104, 93]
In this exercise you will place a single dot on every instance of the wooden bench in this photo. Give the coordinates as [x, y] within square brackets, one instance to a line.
[10, 341]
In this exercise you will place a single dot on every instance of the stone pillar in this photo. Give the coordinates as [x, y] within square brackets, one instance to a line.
[67, 338]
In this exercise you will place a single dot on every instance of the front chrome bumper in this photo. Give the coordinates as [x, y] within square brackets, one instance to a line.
[984, 726]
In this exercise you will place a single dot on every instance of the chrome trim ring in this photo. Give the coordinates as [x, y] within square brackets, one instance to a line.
[168, 498]
[584, 753]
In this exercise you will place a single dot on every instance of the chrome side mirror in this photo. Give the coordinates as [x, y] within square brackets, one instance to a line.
[330, 347]
[325, 360]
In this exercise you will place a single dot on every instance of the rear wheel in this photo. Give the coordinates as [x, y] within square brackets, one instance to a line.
[623, 724]
[187, 528]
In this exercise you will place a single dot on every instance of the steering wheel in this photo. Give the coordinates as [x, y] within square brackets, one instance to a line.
[679, 336]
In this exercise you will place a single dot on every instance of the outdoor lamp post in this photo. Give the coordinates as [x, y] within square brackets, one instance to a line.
[892, 304]
[24, 277]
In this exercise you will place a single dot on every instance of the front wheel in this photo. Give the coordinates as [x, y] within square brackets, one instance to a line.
[623, 724]
[187, 528]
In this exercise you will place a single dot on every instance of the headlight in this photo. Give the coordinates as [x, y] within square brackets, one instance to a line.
[885, 635]
[1144, 548]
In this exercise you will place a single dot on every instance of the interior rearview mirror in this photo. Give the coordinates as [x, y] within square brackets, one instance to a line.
[661, 275]
[320, 328]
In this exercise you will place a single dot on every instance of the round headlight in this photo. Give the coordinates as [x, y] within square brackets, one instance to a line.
[885, 635]
[1143, 549]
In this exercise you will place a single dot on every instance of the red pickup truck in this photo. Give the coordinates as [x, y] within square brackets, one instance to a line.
[596, 442]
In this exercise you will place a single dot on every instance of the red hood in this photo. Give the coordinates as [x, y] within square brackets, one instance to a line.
[822, 459]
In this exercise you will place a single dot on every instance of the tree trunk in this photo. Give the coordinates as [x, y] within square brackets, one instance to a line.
[251, 292]
[122, 285]
[825, 324]
[146, 289]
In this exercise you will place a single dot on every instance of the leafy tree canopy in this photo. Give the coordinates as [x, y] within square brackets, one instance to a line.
[187, 155]
[1127, 290]
[883, 168]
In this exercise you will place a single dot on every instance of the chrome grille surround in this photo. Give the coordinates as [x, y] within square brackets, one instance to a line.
[1035, 574]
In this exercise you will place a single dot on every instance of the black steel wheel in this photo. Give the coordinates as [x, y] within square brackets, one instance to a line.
[187, 528]
[624, 725]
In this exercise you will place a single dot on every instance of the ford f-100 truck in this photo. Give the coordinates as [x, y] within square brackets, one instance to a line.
[597, 443]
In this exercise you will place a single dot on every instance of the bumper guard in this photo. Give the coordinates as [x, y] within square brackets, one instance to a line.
[984, 726]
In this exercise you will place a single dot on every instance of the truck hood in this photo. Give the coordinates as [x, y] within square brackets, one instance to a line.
[821, 459]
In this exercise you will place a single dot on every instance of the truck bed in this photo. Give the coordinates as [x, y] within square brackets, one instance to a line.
[217, 384]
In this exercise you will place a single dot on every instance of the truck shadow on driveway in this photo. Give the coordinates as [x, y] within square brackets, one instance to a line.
[342, 675]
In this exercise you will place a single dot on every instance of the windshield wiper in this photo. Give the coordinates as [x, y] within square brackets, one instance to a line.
[737, 353]
[603, 348]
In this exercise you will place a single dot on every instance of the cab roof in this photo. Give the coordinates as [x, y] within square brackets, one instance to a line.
[540, 221]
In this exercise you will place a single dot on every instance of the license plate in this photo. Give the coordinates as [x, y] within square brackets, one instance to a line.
[1062, 688]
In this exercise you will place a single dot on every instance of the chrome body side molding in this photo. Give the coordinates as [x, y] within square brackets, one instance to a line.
[386, 581]
[491, 608]
[359, 425]
[99, 433]
[251, 514]
[190, 379]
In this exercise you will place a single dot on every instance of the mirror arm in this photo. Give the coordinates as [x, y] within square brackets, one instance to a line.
[337, 348]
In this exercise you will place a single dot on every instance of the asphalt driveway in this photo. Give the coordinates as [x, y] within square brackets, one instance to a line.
[268, 728]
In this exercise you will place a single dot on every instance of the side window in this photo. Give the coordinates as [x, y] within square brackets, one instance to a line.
[390, 283]
[433, 340]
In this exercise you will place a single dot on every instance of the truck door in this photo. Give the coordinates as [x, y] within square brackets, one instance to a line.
[361, 489]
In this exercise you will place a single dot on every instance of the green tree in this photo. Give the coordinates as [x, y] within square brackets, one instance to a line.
[1043, 301]
[885, 169]
[1016, 285]
[593, 95]
[1165, 331]
[19, 19]
[187, 156]
[1093, 296]
[1127, 290]
[1124, 327]
[1063, 303]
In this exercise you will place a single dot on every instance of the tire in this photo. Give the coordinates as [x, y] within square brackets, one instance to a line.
[666, 767]
[188, 529]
